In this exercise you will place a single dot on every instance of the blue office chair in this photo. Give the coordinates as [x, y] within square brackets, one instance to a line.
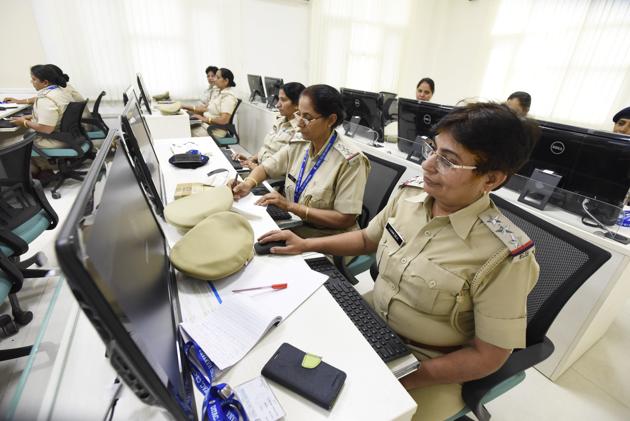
[566, 262]
[95, 122]
[24, 215]
[381, 181]
[79, 147]
[231, 138]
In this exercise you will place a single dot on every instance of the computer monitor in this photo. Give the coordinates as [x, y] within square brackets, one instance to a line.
[138, 144]
[272, 86]
[115, 260]
[256, 88]
[366, 107]
[417, 118]
[144, 93]
[592, 163]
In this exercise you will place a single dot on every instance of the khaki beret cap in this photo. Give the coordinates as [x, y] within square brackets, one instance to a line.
[170, 108]
[190, 210]
[164, 96]
[217, 247]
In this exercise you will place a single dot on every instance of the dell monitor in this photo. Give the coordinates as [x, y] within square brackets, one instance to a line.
[272, 86]
[137, 142]
[144, 93]
[364, 108]
[416, 119]
[593, 164]
[256, 88]
[115, 260]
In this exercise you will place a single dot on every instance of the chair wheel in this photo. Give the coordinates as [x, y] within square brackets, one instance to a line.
[8, 326]
[56, 195]
[23, 317]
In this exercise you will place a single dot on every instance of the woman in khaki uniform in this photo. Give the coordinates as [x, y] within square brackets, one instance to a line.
[284, 129]
[325, 174]
[220, 107]
[48, 108]
[454, 273]
[208, 93]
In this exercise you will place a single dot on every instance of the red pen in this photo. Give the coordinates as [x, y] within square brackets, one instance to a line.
[273, 286]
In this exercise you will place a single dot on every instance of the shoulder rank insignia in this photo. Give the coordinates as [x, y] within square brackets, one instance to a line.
[414, 182]
[348, 152]
[513, 237]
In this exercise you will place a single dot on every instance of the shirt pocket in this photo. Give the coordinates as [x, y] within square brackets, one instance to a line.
[321, 198]
[430, 288]
[386, 248]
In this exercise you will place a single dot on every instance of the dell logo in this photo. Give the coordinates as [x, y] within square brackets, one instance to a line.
[427, 119]
[557, 147]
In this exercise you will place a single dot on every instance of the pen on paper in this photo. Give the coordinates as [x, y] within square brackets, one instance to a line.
[273, 286]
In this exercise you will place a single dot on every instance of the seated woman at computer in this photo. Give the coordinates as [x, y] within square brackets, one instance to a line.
[325, 174]
[208, 93]
[425, 89]
[519, 102]
[284, 128]
[220, 107]
[76, 96]
[622, 121]
[48, 108]
[454, 272]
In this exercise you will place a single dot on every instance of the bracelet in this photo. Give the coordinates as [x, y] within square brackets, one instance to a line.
[251, 179]
[306, 214]
[209, 120]
[25, 124]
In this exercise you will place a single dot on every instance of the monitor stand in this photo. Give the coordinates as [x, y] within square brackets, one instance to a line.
[272, 101]
[255, 94]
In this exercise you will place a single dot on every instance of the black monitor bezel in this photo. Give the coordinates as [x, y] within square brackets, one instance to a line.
[272, 94]
[253, 80]
[377, 123]
[143, 92]
[100, 313]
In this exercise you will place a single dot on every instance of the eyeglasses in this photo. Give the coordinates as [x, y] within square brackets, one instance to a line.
[306, 120]
[442, 163]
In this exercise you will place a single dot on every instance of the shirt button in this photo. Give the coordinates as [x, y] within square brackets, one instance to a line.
[427, 233]
[403, 260]
[432, 284]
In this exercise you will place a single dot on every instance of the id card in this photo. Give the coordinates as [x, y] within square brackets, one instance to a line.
[259, 401]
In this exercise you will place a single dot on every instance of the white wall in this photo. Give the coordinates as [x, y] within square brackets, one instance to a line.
[21, 45]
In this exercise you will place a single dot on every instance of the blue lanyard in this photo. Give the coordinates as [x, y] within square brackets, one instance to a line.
[299, 185]
[219, 403]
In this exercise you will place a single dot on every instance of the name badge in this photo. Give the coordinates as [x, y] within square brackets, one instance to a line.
[290, 177]
[392, 231]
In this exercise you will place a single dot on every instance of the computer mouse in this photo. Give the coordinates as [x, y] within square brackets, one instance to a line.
[265, 248]
[218, 170]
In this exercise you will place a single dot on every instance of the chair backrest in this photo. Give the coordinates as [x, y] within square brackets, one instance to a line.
[238, 103]
[71, 120]
[380, 183]
[566, 262]
[97, 103]
[20, 198]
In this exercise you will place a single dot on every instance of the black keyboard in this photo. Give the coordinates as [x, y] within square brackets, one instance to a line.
[235, 163]
[374, 329]
[278, 214]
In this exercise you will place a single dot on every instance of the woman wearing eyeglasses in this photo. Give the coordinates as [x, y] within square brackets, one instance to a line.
[325, 174]
[454, 273]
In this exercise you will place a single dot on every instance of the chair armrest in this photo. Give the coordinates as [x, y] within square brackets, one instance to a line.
[14, 242]
[220, 126]
[13, 273]
[39, 192]
[520, 360]
[341, 267]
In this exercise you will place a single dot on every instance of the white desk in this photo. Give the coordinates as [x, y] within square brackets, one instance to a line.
[168, 126]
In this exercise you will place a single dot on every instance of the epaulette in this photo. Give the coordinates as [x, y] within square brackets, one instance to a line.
[347, 151]
[517, 242]
[414, 182]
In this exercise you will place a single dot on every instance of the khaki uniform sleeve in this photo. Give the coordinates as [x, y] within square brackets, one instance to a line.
[374, 230]
[228, 103]
[351, 186]
[500, 304]
[277, 165]
[47, 112]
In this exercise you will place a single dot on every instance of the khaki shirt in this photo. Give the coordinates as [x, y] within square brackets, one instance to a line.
[74, 94]
[50, 105]
[209, 93]
[281, 134]
[436, 284]
[224, 102]
[338, 184]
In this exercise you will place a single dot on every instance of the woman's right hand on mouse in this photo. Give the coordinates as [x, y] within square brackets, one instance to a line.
[294, 244]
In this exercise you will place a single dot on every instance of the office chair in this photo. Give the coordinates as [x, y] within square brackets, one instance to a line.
[566, 262]
[232, 136]
[24, 215]
[96, 121]
[390, 107]
[380, 183]
[79, 147]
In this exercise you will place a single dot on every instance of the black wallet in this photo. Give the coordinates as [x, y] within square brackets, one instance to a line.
[188, 160]
[320, 385]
